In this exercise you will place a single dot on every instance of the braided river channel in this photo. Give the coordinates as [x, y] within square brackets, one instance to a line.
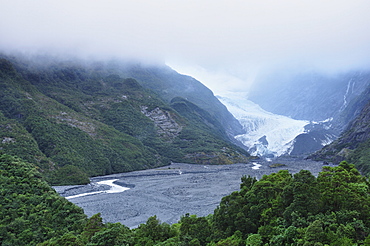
[171, 191]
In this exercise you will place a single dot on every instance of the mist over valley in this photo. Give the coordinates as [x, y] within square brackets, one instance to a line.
[168, 123]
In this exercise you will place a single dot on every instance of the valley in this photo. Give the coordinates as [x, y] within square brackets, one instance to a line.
[172, 191]
[106, 135]
[183, 123]
[266, 133]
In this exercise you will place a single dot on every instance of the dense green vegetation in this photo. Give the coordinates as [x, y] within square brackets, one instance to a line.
[30, 210]
[74, 120]
[197, 141]
[361, 156]
[282, 209]
[278, 209]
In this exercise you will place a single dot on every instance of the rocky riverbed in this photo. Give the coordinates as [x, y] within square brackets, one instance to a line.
[172, 191]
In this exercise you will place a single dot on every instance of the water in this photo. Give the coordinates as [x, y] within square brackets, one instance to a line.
[113, 189]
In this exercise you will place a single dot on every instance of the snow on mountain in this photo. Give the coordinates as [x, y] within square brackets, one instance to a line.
[267, 134]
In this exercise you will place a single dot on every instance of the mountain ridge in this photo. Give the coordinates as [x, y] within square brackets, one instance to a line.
[329, 102]
[352, 145]
[93, 122]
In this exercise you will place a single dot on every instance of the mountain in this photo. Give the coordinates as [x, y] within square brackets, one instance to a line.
[326, 102]
[322, 133]
[307, 95]
[75, 119]
[168, 84]
[353, 144]
[267, 134]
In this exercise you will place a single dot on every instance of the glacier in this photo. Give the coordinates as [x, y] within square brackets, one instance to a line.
[267, 134]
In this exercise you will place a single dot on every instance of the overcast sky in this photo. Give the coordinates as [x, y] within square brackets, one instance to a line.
[224, 42]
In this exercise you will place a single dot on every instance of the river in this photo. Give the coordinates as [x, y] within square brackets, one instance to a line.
[168, 192]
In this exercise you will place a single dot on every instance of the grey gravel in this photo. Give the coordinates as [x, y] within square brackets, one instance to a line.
[172, 191]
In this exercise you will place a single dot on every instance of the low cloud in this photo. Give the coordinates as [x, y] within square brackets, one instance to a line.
[232, 36]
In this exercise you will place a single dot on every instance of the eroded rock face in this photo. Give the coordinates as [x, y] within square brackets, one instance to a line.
[359, 129]
[87, 127]
[357, 132]
[8, 140]
[165, 123]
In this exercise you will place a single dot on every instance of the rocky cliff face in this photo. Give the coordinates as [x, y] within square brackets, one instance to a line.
[353, 144]
[164, 121]
[320, 134]
[309, 96]
[359, 130]
[329, 102]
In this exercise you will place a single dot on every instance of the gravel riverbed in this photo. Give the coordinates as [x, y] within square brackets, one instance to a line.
[172, 191]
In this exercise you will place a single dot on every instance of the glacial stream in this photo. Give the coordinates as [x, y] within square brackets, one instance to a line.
[113, 189]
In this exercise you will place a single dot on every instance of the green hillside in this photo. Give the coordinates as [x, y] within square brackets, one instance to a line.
[169, 84]
[30, 210]
[75, 120]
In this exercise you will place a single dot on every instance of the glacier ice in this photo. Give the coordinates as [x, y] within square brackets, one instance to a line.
[267, 134]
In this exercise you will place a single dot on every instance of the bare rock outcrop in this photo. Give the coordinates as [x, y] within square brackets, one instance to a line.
[164, 121]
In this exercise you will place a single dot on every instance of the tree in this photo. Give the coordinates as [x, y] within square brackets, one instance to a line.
[112, 235]
[254, 240]
[67, 239]
[247, 183]
[93, 225]
[193, 227]
[154, 231]
[315, 232]
[301, 196]
[343, 188]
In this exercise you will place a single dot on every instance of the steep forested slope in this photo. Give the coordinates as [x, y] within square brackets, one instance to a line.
[30, 210]
[169, 84]
[73, 120]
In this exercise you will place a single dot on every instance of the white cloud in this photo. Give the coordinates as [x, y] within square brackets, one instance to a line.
[232, 36]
